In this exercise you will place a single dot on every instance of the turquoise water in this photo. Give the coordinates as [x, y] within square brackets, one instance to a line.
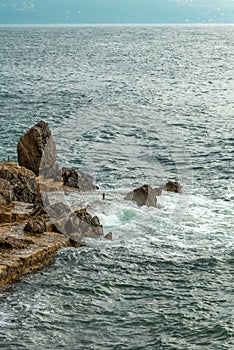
[130, 105]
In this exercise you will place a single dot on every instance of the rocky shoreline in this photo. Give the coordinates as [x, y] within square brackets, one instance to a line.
[33, 226]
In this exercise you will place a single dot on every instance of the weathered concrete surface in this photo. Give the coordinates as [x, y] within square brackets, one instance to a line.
[21, 253]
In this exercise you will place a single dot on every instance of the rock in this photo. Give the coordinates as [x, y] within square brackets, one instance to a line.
[173, 186]
[83, 227]
[36, 224]
[95, 221]
[144, 195]
[11, 242]
[6, 192]
[22, 182]
[82, 213]
[76, 242]
[37, 151]
[57, 210]
[78, 179]
[41, 200]
[108, 236]
[59, 218]
[15, 212]
[157, 191]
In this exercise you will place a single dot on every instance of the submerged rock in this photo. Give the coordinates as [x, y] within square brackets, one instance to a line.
[19, 180]
[173, 186]
[78, 179]
[144, 195]
[37, 151]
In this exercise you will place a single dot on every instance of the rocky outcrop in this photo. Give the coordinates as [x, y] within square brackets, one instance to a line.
[144, 195]
[173, 186]
[37, 151]
[20, 181]
[32, 230]
[77, 179]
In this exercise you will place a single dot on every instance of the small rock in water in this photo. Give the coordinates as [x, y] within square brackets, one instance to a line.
[109, 236]
[144, 195]
[173, 186]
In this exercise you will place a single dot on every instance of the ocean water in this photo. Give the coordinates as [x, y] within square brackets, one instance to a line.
[130, 105]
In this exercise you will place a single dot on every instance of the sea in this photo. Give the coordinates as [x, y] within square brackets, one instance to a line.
[131, 105]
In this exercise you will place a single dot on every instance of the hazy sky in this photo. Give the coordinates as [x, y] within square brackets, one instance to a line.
[116, 11]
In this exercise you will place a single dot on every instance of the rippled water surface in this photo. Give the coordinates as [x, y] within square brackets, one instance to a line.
[131, 105]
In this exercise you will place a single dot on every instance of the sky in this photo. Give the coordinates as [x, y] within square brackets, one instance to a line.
[116, 11]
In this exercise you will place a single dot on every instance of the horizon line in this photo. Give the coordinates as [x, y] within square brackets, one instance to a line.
[118, 24]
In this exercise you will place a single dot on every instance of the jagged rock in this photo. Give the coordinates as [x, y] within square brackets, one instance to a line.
[22, 180]
[36, 224]
[144, 195]
[6, 192]
[37, 151]
[82, 228]
[78, 179]
[78, 223]
[173, 186]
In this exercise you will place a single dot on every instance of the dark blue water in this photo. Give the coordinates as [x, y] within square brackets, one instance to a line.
[131, 105]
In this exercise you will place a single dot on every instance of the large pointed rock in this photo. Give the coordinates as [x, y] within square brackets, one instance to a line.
[37, 150]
